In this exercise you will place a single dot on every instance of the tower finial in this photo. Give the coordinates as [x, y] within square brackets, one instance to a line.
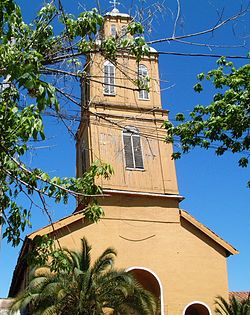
[115, 3]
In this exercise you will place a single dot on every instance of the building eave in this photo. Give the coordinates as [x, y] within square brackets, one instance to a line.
[21, 264]
[129, 107]
[217, 239]
[20, 267]
[51, 228]
[138, 193]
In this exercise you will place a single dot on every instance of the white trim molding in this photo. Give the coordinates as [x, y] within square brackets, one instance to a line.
[139, 193]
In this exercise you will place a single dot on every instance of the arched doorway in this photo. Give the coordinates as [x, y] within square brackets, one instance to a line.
[197, 308]
[150, 281]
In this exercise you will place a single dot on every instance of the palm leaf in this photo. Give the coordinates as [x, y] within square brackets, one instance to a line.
[85, 255]
[106, 260]
[84, 290]
[233, 307]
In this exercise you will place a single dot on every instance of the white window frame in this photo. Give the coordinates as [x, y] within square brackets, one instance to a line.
[108, 78]
[132, 132]
[143, 74]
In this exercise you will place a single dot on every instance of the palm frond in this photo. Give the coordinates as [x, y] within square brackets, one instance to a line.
[84, 290]
[232, 307]
[105, 261]
[85, 254]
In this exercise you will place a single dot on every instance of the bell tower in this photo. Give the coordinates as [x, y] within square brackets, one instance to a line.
[178, 259]
[122, 124]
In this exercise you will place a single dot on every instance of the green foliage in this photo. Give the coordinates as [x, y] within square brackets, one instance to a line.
[86, 25]
[78, 287]
[138, 48]
[134, 44]
[110, 45]
[42, 247]
[26, 92]
[233, 307]
[135, 28]
[225, 123]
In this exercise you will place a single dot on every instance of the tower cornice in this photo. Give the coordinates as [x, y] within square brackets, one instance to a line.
[129, 107]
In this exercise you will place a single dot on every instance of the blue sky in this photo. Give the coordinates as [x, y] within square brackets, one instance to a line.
[214, 188]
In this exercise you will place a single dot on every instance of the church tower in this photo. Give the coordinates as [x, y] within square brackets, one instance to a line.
[167, 250]
[182, 262]
[121, 124]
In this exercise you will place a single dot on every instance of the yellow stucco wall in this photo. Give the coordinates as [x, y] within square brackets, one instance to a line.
[148, 233]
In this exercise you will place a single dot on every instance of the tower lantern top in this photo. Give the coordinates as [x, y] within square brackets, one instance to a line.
[114, 3]
[115, 11]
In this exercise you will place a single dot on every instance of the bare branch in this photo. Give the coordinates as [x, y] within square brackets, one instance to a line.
[210, 45]
[49, 216]
[175, 53]
[23, 168]
[210, 30]
[61, 58]
[177, 17]
[46, 70]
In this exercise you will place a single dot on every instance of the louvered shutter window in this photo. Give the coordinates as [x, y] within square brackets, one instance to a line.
[109, 78]
[143, 74]
[137, 151]
[128, 151]
[132, 148]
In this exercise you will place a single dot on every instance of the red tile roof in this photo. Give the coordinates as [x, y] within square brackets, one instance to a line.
[244, 295]
[5, 303]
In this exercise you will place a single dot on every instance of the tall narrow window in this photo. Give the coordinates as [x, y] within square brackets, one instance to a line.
[143, 77]
[124, 31]
[113, 30]
[84, 156]
[132, 148]
[109, 78]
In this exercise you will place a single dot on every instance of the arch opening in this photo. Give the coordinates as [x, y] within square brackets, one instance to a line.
[197, 309]
[149, 282]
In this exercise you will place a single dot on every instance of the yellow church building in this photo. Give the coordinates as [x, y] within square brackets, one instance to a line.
[177, 258]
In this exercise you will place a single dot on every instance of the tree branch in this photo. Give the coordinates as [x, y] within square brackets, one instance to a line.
[177, 17]
[210, 30]
[20, 165]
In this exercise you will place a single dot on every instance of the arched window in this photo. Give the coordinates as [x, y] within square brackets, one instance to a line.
[109, 78]
[197, 308]
[132, 148]
[113, 30]
[151, 282]
[143, 77]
